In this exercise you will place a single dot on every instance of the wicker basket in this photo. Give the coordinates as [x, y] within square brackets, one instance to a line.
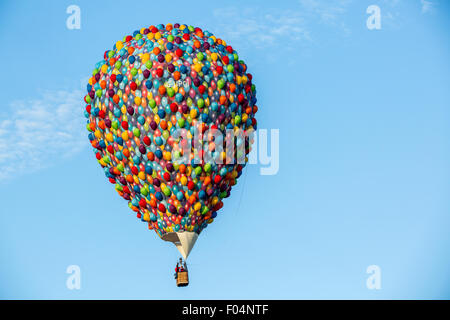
[182, 279]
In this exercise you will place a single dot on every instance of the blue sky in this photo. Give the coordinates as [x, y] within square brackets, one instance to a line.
[364, 156]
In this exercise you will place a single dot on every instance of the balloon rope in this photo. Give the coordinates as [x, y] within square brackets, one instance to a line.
[242, 192]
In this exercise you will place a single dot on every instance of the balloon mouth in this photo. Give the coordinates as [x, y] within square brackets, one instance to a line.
[184, 241]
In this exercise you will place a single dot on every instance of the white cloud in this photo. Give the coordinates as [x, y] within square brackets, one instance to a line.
[392, 3]
[427, 6]
[264, 27]
[259, 28]
[327, 11]
[35, 133]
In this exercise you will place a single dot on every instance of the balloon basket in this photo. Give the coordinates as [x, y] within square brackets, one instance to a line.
[182, 279]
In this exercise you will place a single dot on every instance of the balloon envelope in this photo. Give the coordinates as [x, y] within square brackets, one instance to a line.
[171, 111]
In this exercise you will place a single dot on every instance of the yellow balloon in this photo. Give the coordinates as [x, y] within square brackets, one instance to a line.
[98, 134]
[110, 137]
[167, 155]
[145, 58]
[197, 67]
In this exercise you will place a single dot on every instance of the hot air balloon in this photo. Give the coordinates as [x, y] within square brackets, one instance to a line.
[170, 113]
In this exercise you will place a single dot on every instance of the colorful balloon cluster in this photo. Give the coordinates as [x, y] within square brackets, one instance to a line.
[152, 83]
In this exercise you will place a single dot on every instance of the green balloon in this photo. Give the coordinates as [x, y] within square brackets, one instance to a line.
[167, 191]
